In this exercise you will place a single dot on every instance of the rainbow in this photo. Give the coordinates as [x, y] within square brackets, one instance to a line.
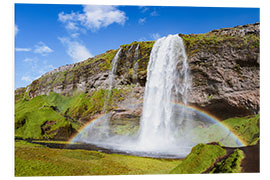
[86, 125]
[201, 112]
[214, 120]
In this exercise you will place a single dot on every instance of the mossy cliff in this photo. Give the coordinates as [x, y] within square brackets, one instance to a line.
[210, 158]
[224, 66]
[93, 73]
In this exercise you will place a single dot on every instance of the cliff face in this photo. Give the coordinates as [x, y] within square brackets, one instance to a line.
[92, 74]
[224, 66]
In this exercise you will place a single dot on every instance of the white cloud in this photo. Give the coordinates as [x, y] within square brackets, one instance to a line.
[16, 29]
[154, 13]
[35, 68]
[40, 48]
[23, 49]
[72, 26]
[75, 35]
[143, 9]
[75, 50]
[141, 20]
[30, 60]
[93, 17]
[155, 36]
[43, 49]
[66, 17]
[27, 79]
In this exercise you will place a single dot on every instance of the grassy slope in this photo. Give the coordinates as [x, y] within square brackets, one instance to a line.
[200, 159]
[210, 41]
[36, 160]
[245, 127]
[30, 115]
[230, 165]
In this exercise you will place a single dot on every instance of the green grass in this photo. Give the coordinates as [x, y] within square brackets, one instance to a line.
[35, 160]
[208, 41]
[202, 157]
[245, 127]
[232, 164]
[57, 111]
[213, 133]
[52, 141]
[31, 115]
[90, 66]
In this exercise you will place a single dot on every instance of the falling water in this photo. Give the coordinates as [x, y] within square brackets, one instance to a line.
[114, 68]
[114, 65]
[165, 84]
[167, 129]
[103, 125]
[135, 67]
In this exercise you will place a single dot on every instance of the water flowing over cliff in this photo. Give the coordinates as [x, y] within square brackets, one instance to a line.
[222, 64]
[159, 126]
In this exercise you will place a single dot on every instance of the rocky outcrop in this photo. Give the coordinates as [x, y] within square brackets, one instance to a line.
[224, 66]
[92, 74]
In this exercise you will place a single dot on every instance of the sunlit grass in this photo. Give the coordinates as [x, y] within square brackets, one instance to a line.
[200, 159]
[37, 160]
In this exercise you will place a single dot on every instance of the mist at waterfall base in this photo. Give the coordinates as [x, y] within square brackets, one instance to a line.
[167, 129]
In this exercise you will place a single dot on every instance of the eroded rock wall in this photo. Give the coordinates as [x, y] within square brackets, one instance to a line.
[224, 66]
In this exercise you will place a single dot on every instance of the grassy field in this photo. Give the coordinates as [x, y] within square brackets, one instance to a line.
[37, 160]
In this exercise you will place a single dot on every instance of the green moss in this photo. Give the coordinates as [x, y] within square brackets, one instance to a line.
[209, 97]
[214, 43]
[145, 48]
[32, 115]
[245, 127]
[42, 161]
[232, 164]
[237, 68]
[201, 157]
[56, 111]
[107, 59]
[83, 105]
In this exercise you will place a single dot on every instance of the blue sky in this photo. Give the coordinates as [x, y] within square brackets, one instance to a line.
[49, 36]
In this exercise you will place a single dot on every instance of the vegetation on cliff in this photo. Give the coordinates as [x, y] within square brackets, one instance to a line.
[248, 128]
[200, 159]
[58, 116]
[239, 37]
[57, 104]
[210, 158]
[232, 164]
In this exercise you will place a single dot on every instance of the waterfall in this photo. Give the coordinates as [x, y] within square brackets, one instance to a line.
[165, 85]
[135, 67]
[168, 126]
[104, 127]
[114, 65]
